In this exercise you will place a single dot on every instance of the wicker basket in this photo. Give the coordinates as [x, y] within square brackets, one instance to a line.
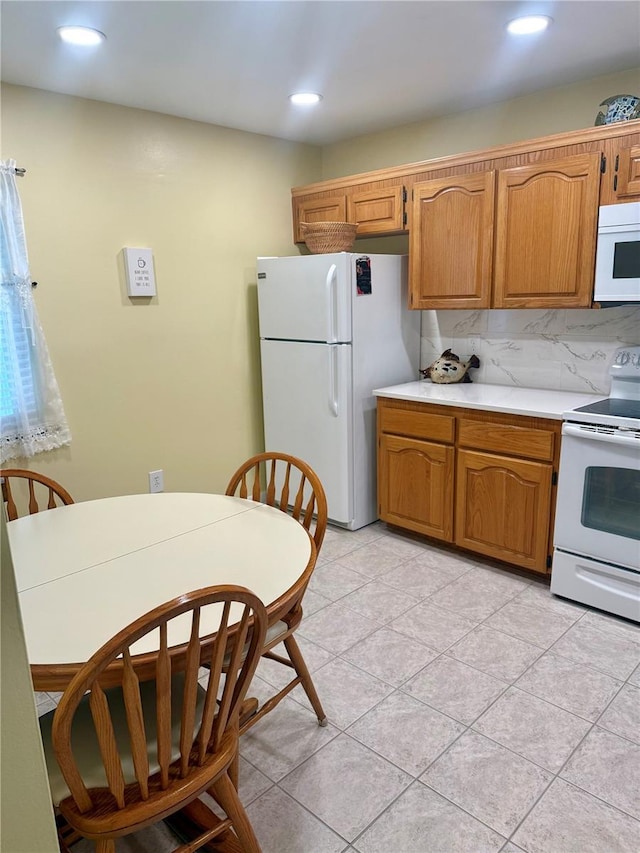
[322, 237]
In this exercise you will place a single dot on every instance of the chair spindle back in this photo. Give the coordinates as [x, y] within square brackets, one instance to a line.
[203, 723]
[289, 485]
[56, 494]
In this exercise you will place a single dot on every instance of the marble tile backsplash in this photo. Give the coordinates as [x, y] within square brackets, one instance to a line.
[566, 349]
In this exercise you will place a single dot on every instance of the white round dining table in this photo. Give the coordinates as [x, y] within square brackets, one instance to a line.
[86, 570]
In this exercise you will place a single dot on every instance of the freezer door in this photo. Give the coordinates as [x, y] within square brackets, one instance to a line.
[307, 413]
[305, 298]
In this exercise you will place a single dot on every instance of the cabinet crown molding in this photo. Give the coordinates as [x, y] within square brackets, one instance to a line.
[557, 140]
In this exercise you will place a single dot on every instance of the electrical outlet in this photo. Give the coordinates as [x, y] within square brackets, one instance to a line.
[156, 481]
[473, 345]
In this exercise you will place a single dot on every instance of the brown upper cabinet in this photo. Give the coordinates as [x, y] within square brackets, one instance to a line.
[513, 226]
[378, 209]
[451, 241]
[327, 208]
[545, 235]
[625, 171]
[520, 237]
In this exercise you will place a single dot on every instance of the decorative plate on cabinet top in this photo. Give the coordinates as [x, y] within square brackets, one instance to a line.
[618, 108]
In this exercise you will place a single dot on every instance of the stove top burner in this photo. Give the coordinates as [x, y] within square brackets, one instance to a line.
[614, 406]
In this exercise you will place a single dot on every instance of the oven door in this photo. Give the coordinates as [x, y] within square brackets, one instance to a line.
[618, 264]
[598, 506]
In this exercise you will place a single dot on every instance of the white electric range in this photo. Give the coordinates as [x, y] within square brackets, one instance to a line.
[596, 557]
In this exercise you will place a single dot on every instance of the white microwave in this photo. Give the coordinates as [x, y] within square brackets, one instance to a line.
[618, 253]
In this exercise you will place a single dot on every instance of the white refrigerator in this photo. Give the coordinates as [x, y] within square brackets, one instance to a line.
[332, 328]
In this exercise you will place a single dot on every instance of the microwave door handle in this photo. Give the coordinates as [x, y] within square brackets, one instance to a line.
[331, 308]
[611, 438]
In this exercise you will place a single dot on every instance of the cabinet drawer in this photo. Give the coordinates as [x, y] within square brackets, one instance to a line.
[417, 424]
[524, 441]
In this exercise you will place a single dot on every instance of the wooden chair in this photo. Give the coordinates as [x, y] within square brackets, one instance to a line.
[55, 491]
[288, 483]
[125, 757]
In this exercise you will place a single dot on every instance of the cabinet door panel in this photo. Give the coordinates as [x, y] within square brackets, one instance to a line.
[627, 174]
[327, 209]
[450, 242]
[415, 485]
[378, 211]
[546, 233]
[503, 508]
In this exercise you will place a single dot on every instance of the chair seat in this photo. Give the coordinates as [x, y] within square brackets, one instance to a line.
[86, 745]
[276, 630]
[143, 781]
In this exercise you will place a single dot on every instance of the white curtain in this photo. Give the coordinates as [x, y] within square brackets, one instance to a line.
[32, 415]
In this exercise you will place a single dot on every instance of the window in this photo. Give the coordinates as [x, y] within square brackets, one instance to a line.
[31, 411]
[17, 388]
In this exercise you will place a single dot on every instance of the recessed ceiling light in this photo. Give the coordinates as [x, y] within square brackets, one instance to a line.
[528, 24]
[305, 98]
[84, 36]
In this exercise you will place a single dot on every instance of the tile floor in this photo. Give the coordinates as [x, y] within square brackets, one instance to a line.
[469, 711]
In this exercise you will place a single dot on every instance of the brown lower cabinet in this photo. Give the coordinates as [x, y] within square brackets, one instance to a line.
[416, 485]
[483, 481]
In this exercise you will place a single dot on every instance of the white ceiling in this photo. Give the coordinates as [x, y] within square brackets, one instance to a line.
[378, 64]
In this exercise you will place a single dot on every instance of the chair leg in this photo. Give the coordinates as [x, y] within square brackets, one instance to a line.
[105, 845]
[234, 768]
[67, 835]
[300, 666]
[224, 792]
[234, 771]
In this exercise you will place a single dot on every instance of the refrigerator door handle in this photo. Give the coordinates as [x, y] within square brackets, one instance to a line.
[331, 296]
[333, 374]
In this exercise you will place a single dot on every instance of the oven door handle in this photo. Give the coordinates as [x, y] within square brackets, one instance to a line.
[588, 435]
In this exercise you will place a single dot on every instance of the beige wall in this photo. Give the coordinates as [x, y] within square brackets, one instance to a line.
[170, 383]
[552, 111]
[174, 383]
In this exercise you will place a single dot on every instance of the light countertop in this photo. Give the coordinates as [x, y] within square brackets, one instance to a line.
[534, 402]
